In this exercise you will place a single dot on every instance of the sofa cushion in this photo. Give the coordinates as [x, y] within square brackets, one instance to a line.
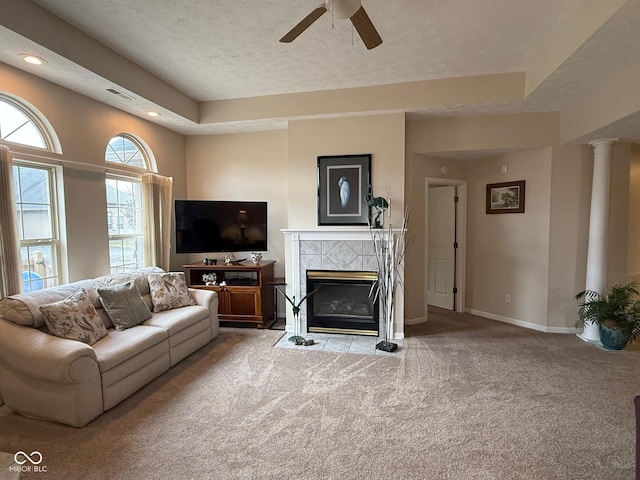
[124, 305]
[169, 291]
[74, 318]
[120, 346]
[175, 320]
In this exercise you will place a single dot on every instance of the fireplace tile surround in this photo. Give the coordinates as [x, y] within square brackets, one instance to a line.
[330, 248]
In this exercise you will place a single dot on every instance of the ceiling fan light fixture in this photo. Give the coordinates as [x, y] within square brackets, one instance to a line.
[343, 9]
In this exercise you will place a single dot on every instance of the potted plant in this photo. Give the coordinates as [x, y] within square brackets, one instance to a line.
[617, 313]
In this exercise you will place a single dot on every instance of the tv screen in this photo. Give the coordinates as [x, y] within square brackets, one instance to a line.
[204, 226]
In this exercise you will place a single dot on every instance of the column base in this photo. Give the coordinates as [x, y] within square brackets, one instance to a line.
[587, 338]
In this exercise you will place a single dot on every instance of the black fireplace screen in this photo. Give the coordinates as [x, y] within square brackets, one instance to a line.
[343, 303]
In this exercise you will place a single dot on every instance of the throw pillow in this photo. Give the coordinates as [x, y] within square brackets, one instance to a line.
[169, 291]
[74, 318]
[124, 305]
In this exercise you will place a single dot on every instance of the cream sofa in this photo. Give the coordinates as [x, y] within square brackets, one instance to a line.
[71, 382]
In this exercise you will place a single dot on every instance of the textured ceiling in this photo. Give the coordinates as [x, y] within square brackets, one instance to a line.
[217, 49]
[212, 50]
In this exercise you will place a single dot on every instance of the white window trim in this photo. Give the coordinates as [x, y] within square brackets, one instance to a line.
[54, 201]
[121, 236]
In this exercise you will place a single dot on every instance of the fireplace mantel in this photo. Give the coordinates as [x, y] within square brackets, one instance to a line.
[333, 232]
[331, 248]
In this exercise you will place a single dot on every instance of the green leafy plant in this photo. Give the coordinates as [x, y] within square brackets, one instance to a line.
[619, 308]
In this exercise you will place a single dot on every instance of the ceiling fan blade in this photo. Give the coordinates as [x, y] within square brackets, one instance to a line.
[365, 28]
[304, 24]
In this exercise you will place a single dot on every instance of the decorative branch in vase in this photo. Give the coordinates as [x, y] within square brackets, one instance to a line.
[390, 250]
[295, 308]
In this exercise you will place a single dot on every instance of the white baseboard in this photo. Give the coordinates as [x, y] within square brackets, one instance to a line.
[414, 321]
[521, 323]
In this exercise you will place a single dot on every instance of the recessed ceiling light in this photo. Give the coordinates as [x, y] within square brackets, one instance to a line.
[151, 113]
[33, 59]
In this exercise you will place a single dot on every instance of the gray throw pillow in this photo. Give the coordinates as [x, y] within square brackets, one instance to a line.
[124, 305]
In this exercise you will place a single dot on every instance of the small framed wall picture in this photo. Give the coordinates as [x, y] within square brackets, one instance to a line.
[506, 197]
[342, 184]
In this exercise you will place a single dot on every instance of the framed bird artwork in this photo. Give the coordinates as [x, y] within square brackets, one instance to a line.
[342, 185]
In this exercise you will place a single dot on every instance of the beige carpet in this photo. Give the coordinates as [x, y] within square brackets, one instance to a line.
[469, 399]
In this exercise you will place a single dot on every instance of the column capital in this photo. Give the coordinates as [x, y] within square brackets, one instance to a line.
[603, 142]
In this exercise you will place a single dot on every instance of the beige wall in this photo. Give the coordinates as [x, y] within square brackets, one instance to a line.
[249, 166]
[84, 127]
[634, 212]
[482, 132]
[571, 172]
[507, 253]
[381, 135]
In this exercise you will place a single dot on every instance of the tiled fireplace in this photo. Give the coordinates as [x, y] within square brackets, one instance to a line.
[331, 249]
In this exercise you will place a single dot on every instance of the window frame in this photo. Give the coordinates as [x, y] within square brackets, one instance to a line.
[126, 266]
[54, 241]
[134, 169]
[118, 171]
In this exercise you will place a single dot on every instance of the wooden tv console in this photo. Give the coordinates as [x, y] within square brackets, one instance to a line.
[247, 297]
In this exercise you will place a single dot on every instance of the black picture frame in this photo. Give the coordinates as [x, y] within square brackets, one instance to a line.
[343, 172]
[505, 197]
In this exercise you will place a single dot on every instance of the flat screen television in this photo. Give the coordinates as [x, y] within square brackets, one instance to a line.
[204, 226]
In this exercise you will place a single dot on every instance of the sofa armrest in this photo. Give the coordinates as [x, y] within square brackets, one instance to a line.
[209, 299]
[203, 297]
[36, 354]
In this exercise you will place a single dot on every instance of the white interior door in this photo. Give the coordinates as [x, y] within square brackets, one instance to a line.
[441, 250]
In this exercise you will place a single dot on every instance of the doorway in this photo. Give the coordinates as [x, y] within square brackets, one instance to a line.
[445, 243]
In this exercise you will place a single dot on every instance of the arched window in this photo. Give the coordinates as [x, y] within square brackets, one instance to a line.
[124, 204]
[125, 150]
[19, 125]
[35, 198]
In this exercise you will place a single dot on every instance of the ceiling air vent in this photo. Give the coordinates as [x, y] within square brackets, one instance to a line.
[119, 94]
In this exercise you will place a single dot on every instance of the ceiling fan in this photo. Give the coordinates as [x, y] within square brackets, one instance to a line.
[343, 9]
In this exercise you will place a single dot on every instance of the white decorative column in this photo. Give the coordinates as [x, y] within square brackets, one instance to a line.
[598, 227]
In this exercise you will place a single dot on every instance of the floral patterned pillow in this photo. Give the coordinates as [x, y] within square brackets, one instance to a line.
[169, 291]
[74, 318]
